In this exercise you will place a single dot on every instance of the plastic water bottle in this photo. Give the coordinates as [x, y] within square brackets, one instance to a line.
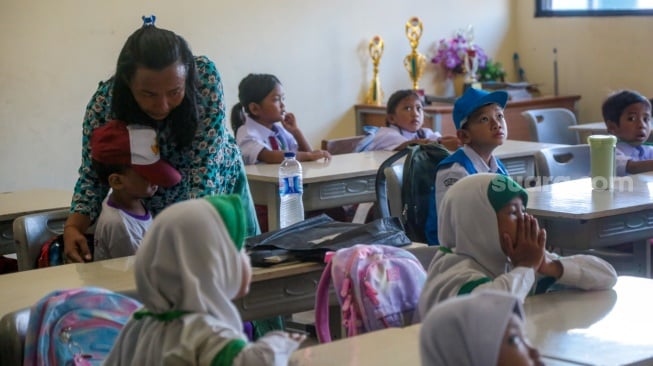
[291, 207]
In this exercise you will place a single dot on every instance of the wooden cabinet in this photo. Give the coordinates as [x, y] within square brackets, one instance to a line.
[438, 116]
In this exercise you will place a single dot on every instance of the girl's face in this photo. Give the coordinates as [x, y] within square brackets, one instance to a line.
[272, 108]
[486, 127]
[507, 217]
[515, 349]
[158, 92]
[634, 124]
[409, 114]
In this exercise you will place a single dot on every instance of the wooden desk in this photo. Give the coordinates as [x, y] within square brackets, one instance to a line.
[580, 218]
[345, 179]
[15, 204]
[438, 116]
[594, 327]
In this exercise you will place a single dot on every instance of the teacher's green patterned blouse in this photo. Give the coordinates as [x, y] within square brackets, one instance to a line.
[213, 164]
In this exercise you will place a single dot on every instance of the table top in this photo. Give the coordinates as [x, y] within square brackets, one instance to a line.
[339, 167]
[589, 127]
[517, 148]
[18, 203]
[575, 199]
[116, 274]
[594, 327]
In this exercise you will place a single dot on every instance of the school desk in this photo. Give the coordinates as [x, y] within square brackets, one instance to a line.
[579, 218]
[519, 158]
[345, 179]
[18, 203]
[594, 327]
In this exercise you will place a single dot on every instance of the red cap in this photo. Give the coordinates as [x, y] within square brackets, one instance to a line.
[135, 146]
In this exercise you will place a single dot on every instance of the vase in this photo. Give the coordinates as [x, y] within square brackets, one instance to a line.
[458, 85]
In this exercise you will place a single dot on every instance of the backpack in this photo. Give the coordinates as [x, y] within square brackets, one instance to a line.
[76, 326]
[377, 287]
[418, 186]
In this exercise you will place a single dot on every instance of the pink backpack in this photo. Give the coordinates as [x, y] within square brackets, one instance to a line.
[377, 287]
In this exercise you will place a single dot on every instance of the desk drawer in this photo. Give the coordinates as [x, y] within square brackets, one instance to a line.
[338, 193]
[7, 244]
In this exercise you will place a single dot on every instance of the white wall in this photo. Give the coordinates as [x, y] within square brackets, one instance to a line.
[55, 52]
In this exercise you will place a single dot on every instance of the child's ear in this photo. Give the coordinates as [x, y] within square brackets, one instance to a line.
[612, 127]
[463, 136]
[115, 181]
[391, 118]
[254, 108]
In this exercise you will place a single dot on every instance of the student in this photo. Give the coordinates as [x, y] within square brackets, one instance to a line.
[486, 328]
[488, 241]
[159, 83]
[190, 267]
[404, 120]
[126, 158]
[481, 127]
[627, 115]
[263, 128]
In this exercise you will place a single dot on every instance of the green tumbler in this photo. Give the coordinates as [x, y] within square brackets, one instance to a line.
[602, 161]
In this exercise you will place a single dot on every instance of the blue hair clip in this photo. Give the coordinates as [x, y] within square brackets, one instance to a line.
[148, 21]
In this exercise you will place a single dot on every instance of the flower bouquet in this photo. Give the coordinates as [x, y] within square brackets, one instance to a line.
[457, 54]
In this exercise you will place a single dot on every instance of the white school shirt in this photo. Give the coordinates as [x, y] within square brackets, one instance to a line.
[446, 177]
[626, 152]
[118, 233]
[468, 225]
[388, 138]
[252, 137]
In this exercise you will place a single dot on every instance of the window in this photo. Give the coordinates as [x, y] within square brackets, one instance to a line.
[580, 8]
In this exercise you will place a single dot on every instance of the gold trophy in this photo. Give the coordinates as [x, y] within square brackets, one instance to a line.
[415, 61]
[375, 94]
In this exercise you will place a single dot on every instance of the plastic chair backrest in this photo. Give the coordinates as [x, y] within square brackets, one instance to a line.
[563, 163]
[342, 145]
[31, 231]
[552, 125]
[13, 328]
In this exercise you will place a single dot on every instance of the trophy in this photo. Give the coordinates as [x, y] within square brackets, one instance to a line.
[375, 93]
[415, 61]
[470, 61]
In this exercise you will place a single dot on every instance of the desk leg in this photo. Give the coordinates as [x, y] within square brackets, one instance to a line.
[642, 254]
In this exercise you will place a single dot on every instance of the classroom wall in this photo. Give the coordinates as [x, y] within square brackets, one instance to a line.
[596, 55]
[55, 52]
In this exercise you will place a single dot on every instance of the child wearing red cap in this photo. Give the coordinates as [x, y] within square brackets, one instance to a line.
[126, 158]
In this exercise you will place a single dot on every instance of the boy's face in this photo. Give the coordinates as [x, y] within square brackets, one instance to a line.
[634, 124]
[272, 107]
[485, 128]
[515, 349]
[132, 183]
[507, 217]
[409, 114]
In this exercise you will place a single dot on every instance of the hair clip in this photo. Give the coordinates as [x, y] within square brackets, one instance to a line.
[148, 21]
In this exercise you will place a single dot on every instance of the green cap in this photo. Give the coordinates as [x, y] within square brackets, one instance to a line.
[502, 189]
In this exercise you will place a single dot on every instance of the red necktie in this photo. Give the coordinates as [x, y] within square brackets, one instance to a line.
[274, 143]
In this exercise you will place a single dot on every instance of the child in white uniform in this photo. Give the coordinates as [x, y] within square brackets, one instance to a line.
[404, 119]
[126, 158]
[488, 241]
[627, 115]
[188, 270]
[263, 128]
[485, 328]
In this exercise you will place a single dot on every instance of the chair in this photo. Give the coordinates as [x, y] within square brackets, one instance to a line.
[557, 164]
[31, 231]
[552, 125]
[342, 145]
[13, 329]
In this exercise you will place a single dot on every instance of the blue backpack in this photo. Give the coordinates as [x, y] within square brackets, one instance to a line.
[76, 327]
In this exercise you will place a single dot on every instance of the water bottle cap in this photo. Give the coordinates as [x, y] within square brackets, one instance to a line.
[602, 140]
[288, 154]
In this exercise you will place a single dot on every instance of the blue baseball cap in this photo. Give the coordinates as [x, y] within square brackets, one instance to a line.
[473, 99]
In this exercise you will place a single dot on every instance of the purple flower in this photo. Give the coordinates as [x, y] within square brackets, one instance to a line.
[450, 54]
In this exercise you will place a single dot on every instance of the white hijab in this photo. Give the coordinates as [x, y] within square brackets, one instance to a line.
[468, 223]
[467, 330]
[187, 262]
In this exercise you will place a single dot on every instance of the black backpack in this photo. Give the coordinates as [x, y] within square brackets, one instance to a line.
[417, 187]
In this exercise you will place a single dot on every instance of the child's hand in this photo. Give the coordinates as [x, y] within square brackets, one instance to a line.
[290, 123]
[318, 154]
[528, 248]
[297, 337]
[450, 142]
[550, 267]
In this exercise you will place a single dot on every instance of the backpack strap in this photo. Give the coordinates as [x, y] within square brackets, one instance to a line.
[381, 183]
[322, 306]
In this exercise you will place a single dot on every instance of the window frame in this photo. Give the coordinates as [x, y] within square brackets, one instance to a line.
[542, 10]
